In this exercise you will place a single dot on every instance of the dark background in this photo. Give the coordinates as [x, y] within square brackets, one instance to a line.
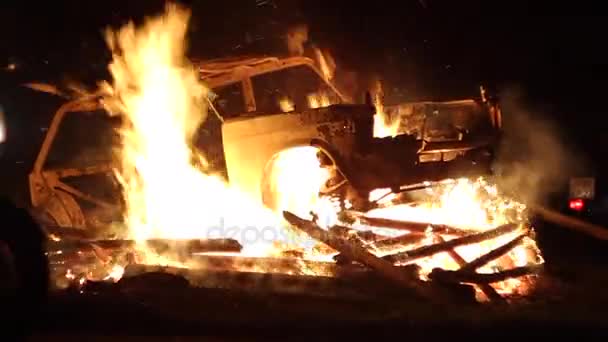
[553, 53]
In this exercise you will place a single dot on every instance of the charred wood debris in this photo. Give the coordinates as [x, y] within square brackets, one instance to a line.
[84, 263]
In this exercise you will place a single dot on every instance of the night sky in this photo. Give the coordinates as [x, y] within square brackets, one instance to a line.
[426, 48]
[423, 49]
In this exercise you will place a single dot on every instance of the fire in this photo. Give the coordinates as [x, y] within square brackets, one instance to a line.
[298, 179]
[467, 204]
[460, 203]
[326, 64]
[170, 194]
[297, 189]
[115, 273]
[383, 127]
[167, 192]
[318, 100]
[286, 105]
[327, 68]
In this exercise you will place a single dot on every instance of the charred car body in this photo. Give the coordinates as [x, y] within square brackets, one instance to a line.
[435, 141]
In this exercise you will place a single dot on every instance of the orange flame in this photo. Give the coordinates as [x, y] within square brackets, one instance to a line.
[473, 205]
[326, 64]
[318, 100]
[286, 105]
[383, 127]
[169, 194]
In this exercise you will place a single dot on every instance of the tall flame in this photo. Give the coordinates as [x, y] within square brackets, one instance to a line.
[383, 127]
[327, 65]
[163, 100]
[167, 192]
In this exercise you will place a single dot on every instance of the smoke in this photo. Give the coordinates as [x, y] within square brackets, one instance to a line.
[534, 159]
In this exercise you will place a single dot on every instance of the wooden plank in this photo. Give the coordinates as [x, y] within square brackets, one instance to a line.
[420, 227]
[484, 278]
[492, 255]
[553, 216]
[430, 250]
[360, 254]
[487, 289]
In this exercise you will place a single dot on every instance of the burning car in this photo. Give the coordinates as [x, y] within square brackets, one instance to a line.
[250, 126]
[266, 158]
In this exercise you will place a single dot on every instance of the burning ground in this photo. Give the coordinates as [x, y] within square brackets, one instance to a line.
[451, 239]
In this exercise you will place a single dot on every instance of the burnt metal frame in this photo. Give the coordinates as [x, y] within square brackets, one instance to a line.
[432, 148]
[46, 185]
[47, 191]
[219, 74]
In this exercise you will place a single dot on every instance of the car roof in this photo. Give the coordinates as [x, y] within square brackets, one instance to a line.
[222, 71]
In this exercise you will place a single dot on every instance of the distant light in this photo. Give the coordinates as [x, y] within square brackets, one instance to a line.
[577, 204]
[2, 126]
